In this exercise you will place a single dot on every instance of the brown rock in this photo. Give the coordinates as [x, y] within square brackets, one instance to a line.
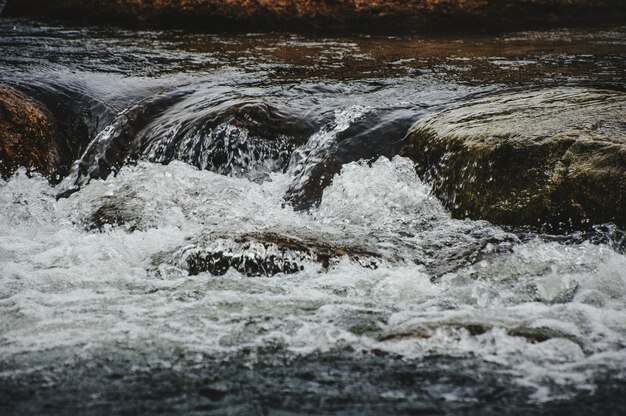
[27, 134]
[266, 254]
[328, 14]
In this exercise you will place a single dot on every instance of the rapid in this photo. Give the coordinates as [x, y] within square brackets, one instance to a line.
[194, 148]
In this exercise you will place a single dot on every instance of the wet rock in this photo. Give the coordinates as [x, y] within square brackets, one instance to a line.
[428, 331]
[28, 135]
[448, 249]
[326, 14]
[121, 210]
[533, 335]
[265, 254]
[367, 136]
[537, 335]
[554, 159]
[239, 138]
[121, 207]
[231, 137]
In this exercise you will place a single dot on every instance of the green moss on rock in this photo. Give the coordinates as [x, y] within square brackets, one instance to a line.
[552, 158]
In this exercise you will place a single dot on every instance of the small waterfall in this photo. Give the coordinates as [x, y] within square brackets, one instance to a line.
[243, 138]
[114, 145]
[317, 151]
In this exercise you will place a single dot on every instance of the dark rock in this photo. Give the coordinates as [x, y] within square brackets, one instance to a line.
[374, 134]
[450, 248]
[120, 210]
[28, 135]
[231, 137]
[265, 254]
[536, 335]
[533, 335]
[234, 137]
[554, 159]
[427, 331]
[328, 14]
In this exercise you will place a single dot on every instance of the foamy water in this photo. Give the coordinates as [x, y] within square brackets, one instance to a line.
[551, 314]
[101, 312]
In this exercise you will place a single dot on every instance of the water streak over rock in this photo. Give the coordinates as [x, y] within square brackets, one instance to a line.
[234, 137]
[358, 133]
[231, 136]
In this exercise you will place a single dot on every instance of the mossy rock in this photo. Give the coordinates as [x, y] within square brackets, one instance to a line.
[28, 135]
[554, 158]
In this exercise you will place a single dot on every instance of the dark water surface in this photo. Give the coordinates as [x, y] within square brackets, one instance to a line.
[203, 137]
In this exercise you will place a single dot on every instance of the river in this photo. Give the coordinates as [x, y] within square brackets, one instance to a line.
[102, 310]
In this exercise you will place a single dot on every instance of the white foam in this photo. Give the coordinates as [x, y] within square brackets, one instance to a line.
[68, 289]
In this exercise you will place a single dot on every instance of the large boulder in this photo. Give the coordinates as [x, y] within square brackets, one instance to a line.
[328, 14]
[28, 134]
[552, 158]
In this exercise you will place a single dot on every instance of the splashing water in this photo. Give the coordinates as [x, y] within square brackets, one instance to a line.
[548, 316]
[372, 301]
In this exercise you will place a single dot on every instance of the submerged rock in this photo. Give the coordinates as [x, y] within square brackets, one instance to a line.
[236, 137]
[552, 158]
[28, 134]
[265, 254]
[532, 335]
[121, 209]
[228, 136]
[324, 14]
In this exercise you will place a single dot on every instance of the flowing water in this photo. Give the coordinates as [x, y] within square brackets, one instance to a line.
[186, 143]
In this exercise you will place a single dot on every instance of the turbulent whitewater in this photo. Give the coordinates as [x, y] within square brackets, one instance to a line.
[105, 307]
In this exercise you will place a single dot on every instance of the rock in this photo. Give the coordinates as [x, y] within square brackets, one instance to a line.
[366, 136]
[230, 137]
[552, 158]
[455, 246]
[532, 335]
[119, 210]
[455, 329]
[28, 134]
[535, 335]
[265, 254]
[248, 138]
[328, 14]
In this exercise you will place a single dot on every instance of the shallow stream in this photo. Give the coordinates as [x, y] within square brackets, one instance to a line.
[100, 313]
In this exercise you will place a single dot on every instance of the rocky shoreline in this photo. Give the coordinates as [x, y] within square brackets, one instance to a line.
[328, 15]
